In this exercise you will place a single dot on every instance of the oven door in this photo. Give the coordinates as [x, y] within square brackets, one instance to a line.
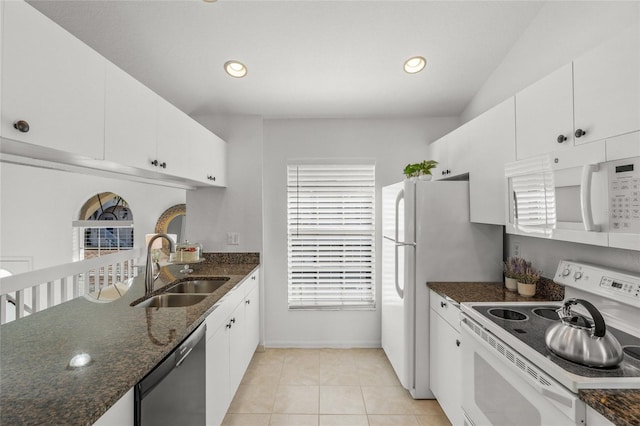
[502, 388]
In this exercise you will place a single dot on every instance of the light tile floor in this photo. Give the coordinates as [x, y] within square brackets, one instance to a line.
[327, 387]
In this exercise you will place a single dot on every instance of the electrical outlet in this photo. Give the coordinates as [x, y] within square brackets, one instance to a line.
[233, 238]
[517, 251]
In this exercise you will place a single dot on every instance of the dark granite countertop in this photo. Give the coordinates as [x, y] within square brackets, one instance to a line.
[620, 406]
[124, 342]
[493, 292]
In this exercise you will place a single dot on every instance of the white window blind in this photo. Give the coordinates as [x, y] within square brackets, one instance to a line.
[331, 236]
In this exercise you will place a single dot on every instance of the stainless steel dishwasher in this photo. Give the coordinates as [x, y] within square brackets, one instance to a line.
[173, 393]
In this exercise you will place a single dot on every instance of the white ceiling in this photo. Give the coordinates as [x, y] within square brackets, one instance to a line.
[305, 58]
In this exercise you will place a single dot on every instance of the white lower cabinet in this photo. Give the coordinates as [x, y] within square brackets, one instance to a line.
[218, 390]
[232, 339]
[120, 413]
[445, 357]
[596, 419]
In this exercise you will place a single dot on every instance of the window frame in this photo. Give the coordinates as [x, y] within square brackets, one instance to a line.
[331, 238]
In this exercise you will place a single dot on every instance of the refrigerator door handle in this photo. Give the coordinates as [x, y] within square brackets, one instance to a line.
[398, 289]
[399, 197]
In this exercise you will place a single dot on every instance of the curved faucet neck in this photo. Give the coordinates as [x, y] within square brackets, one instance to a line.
[149, 278]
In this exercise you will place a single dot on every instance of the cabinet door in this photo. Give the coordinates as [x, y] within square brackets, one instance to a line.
[607, 88]
[130, 121]
[237, 347]
[439, 151]
[459, 158]
[218, 389]
[209, 166]
[174, 146]
[491, 145]
[252, 323]
[52, 81]
[445, 367]
[544, 112]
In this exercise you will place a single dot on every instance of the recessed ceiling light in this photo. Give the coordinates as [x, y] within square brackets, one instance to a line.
[415, 64]
[235, 69]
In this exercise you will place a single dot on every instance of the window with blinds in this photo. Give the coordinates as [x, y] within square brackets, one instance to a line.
[331, 236]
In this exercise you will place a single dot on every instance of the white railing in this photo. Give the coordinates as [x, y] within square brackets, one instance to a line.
[40, 289]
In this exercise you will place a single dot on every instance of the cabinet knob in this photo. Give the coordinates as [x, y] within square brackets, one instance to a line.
[154, 163]
[561, 138]
[253, 277]
[442, 304]
[163, 165]
[21, 126]
[580, 133]
[448, 171]
[458, 342]
[228, 325]
[248, 302]
[213, 178]
[233, 320]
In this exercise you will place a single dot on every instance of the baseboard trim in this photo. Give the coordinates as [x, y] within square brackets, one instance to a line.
[321, 344]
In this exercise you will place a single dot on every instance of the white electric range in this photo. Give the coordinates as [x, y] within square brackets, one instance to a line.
[509, 375]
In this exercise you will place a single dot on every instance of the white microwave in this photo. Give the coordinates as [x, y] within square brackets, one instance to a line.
[589, 194]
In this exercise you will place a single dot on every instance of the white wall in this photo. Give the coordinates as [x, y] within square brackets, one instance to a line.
[213, 212]
[560, 32]
[392, 143]
[38, 206]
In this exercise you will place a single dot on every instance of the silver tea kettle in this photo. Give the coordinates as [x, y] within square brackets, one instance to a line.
[576, 339]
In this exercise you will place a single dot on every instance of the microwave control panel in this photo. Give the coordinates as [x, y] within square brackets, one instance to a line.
[624, 195]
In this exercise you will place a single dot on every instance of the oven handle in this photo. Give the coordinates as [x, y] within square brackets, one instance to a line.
[567, 399]
[585, 197]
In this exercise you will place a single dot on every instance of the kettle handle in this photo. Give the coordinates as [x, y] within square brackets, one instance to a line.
[598, 320]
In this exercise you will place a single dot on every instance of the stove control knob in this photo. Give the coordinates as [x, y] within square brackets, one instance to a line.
[566, 272]
[577, 275]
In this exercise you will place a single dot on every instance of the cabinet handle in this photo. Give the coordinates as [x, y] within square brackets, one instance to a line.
[580, 133]
[248, 302]
[21, 126]
[154, 163]
[163, 165]
[458, 342]
[213, 178]
[442, 304]
[561, 138]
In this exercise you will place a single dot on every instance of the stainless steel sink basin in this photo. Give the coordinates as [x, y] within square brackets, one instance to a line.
[198, 286]
[172, 300]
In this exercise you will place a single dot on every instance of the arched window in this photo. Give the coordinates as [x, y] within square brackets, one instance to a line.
[105, 226]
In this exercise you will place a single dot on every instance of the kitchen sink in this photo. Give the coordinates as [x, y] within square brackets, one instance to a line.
[198, 285]
[172, 300]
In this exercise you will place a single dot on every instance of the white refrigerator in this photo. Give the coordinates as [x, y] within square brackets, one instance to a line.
[427, 236]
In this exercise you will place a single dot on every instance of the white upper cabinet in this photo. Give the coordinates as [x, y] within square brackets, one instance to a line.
[492, 144]
[130, 121]
[175, 140]
[544, 118]
[607, 88]
[439, 151]
[208, 159]
[52, 85]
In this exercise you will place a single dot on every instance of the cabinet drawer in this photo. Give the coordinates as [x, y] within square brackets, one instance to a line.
[447, 308]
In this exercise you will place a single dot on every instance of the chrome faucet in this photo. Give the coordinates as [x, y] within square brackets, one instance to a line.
[149, 278]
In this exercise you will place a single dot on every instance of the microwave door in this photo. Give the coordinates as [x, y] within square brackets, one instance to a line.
[575, 191]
